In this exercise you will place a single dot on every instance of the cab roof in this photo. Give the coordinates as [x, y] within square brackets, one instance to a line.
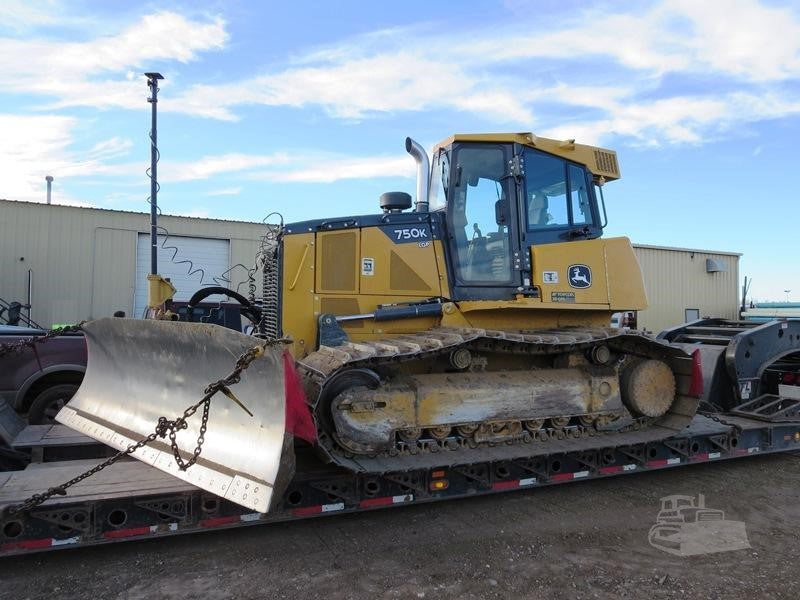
[602, 162]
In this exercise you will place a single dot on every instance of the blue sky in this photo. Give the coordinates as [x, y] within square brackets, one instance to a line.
[303, 107]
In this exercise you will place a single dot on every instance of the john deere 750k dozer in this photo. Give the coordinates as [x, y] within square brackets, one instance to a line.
[472, 328]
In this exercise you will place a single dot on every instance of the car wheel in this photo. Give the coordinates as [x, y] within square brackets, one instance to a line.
[46, 405]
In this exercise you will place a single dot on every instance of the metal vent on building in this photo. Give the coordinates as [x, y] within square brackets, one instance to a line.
[715, 266]
[606, 162]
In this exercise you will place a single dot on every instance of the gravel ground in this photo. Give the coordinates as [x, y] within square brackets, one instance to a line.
[578, 540]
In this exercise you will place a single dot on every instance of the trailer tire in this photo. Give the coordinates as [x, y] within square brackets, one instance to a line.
[46, 405]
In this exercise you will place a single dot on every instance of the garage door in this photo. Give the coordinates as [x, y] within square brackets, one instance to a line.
[211, 255]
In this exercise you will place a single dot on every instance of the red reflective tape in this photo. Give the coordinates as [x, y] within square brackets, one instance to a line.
[696, 382]
[298, 416]
[505, 485]
[562, 476]
[610, 470]
[307, 510]
[219, 521]
[665, 462]
[28, 544]
[122, 533]
[699, 457]
[377, 502]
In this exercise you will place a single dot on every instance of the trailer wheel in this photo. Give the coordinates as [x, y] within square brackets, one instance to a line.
[46, 405]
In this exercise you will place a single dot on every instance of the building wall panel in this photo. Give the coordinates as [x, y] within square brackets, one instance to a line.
[112, 280]
[84, 264]
[676, 280]
[83, 260]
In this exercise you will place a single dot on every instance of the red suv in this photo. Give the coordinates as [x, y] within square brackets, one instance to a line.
[40, 380]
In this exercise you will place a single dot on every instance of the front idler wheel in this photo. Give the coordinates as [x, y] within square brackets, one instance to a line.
[648, 388]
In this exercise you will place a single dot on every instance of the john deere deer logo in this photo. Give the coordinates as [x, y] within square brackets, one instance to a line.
[580, 276]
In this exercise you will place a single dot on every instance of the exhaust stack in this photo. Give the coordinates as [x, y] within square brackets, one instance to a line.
[423, 173]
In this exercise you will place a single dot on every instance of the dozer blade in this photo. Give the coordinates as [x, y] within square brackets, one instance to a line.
[141, 370]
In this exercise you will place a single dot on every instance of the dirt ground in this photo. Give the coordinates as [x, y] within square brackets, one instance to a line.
[578, 540]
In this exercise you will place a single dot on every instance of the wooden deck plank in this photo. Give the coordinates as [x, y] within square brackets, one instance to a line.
[125, 479]
[38, 436]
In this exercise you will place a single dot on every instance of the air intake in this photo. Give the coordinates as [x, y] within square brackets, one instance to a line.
[606, 163]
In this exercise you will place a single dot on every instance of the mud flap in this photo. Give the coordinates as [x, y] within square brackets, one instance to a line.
[140, 370]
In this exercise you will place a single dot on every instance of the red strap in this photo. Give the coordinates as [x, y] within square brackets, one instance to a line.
[298, 416]
[696, 382]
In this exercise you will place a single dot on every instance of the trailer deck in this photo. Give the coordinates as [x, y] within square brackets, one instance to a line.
[131, 500]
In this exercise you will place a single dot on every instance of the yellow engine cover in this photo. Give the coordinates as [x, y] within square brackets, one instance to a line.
[603, 274]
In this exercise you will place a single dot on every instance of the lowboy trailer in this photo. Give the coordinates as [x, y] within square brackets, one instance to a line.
[749, 407]
[457, 349]
[132, 500]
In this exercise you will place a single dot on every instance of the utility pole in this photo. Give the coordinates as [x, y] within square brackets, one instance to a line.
[152, 83]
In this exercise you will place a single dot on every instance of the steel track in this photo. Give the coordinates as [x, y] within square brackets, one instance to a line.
[320, 368]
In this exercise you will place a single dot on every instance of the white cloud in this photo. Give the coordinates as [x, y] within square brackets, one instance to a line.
[35, 148]
[209, 166]
[593, 75]
[328, 171]
[96, 72]
[358, 86]
[231, 191]
[41, 147]
[499, 71]
[112, 148]
[21, 16]
[22, 175]
[743, 38]
[200, 213]
[310, 167]
[678, 120]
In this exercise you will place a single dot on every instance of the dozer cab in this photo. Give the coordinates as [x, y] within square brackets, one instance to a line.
[474, 327]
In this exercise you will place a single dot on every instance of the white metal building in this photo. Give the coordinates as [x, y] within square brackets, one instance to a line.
[684, 284]
[85, 263]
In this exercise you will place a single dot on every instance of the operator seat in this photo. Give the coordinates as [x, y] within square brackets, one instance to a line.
[537, 210]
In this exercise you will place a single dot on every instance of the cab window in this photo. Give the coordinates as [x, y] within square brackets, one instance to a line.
[556, 193]
[478, 213]
[579, 195]
[440, 179]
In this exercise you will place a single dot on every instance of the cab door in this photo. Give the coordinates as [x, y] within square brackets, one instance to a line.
[485, 255]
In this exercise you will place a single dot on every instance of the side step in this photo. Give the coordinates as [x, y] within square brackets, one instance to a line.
[770, 407]
[717, 332]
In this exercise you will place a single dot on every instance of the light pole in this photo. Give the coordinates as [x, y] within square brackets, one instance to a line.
[787, 294]
[152, 83]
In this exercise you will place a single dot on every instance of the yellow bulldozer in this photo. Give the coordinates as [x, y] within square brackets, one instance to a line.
[472, 327]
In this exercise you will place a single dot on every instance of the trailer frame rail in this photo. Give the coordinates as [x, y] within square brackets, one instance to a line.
[316, 490]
